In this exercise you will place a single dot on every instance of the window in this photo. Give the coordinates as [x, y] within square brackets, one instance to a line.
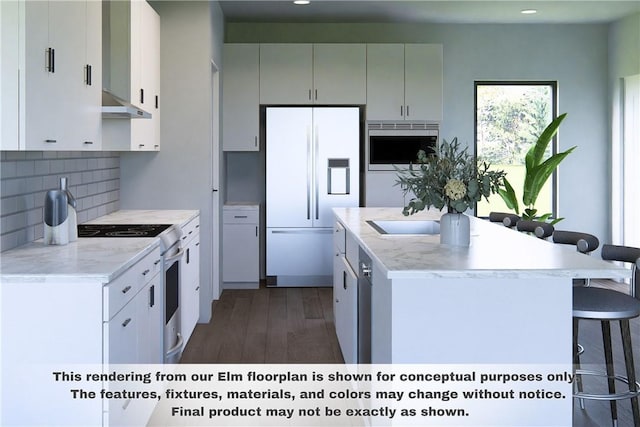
[509, 116]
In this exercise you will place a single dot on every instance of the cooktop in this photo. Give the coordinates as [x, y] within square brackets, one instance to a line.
[121, 230]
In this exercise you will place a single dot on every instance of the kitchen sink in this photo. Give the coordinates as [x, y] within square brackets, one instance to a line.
[405, 226]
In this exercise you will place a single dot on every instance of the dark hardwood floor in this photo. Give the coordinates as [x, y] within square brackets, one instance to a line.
[268, 325]
[295, 325]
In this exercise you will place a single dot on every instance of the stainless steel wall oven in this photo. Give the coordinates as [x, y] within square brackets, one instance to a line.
[172, 255]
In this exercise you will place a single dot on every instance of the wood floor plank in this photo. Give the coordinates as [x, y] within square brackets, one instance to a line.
[311, 303]
[276, 344]
[255, 342]
[234, 334]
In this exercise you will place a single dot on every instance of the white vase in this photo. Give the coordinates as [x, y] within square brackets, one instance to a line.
[455, 229]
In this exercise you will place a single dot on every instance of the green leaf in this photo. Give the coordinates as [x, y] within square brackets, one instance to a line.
[545, 137]
[536, 178]
[509, 196]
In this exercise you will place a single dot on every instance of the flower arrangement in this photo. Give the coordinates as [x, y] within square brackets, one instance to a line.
[452, 178]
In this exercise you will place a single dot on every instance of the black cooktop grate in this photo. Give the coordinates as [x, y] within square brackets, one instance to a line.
[121, 230]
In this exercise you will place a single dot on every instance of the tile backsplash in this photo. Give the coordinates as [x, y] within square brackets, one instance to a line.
[93, 179]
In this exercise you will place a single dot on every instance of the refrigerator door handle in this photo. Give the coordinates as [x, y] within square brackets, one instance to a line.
[309, 172]
[316, 183]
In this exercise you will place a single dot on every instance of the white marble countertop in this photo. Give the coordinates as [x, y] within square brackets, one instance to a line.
[90, 259]
[495, 251]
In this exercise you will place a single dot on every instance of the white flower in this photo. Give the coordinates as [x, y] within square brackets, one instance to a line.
[455, 189]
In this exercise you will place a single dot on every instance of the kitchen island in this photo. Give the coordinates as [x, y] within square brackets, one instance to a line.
[504, 299]
[503, 305]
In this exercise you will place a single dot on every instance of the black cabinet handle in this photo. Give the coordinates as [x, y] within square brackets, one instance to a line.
[51, 60]
[157, 102]
[188, 257]
[88, 71]
[126, 322]
[152, 296]
[141, 96]
[88, 142]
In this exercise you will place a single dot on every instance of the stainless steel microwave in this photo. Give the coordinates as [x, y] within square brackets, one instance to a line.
[390, 144]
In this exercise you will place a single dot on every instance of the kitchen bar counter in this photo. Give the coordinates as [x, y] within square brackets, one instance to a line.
[495, 251]
[96, 259]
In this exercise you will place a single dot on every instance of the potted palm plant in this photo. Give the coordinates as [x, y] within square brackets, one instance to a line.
[537, 172]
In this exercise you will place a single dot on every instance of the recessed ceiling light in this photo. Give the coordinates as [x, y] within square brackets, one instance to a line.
[301, 2]
[528, 11]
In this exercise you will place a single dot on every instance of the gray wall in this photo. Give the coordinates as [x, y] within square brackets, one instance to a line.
[179, 176]
[94, 180]
[624, 60]
[574, 55]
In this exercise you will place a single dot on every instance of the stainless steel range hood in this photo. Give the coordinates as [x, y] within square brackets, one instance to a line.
[114, 107]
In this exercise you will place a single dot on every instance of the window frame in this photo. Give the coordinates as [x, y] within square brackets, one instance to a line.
[553, 84]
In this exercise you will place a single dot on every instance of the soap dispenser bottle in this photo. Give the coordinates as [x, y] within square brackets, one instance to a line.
[71, 208]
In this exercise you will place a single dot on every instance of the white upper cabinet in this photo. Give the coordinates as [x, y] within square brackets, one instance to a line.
[131, 50]
[385, 81]
[423, 81]
[58, 96]
[339, 73]
[240, 97]
[9, 65]
[404, 82]
[286, 73]
[294, 74]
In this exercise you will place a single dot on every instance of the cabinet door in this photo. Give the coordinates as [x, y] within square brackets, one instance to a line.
[241, 97]
[145, 40]
[286, 72]
[122, 333]
[423, 82]
[385, 82]
[339, 73]
[150, 333]
[240, 253]
[49, 48]
[190, 288]
[9, 46]
[89, 120]
[345, 289]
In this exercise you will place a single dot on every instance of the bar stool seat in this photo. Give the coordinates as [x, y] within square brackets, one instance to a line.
[606, 305]
[603, 304]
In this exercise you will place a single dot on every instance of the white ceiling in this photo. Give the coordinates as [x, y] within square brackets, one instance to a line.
[433, 11]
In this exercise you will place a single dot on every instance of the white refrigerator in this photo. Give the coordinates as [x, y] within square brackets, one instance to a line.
[312, 165]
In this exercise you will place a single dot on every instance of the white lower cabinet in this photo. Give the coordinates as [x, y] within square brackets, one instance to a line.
[190, 279]
[61, 322]
[345, 303]
[241, 247]
[345, 295]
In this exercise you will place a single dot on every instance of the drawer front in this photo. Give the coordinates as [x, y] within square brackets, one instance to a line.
[240, 216]
[339, 237]
[190, 230]
[127, 285]
[352, 251]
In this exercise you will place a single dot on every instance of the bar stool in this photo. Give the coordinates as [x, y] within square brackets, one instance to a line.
[540, 229]
[508, 219]
[606, 305]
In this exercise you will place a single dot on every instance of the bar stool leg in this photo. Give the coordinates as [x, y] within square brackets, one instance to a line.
[631, 372]
[608, 358]
[576, 360]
